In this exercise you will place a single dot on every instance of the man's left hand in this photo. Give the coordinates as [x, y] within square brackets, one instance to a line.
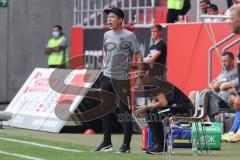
[237, 103]
[140, 111]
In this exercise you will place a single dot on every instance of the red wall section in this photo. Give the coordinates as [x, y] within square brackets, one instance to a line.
[187, 59]
[76, 48]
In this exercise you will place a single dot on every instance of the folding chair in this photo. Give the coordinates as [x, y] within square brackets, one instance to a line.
[198, 117]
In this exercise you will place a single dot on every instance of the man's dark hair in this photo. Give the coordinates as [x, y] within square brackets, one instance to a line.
[58, 26]
[230, 55]
[158, 27]
[213, 6]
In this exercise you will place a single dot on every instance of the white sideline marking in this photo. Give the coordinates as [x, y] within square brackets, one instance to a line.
[20, 155]
[39, 145]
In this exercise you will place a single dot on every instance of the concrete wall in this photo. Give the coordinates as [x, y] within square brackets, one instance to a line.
[3, 53]
[22, 42]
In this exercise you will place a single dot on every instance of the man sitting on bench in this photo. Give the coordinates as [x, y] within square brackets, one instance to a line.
[220, 88]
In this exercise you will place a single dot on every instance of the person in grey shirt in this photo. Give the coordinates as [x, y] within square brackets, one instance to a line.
[220, 89]
[119, 47]
[228, 74]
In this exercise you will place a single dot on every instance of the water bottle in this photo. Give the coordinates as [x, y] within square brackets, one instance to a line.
[194, 147]
[169, 144]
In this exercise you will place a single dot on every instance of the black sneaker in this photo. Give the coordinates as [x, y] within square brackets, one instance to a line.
[157, 149]
[104, 148]
[145, 150]
[124, 149]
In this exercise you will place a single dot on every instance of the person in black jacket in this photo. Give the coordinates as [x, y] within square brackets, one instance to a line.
[174, 102]
[157, 53]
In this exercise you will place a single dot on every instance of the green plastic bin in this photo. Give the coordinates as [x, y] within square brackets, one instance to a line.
[213, 135]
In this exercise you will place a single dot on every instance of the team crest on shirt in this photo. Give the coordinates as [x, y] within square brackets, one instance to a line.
[121, 38]
[124, 45]
[110, 46]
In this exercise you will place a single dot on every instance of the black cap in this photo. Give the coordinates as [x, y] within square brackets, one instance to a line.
[115, 10]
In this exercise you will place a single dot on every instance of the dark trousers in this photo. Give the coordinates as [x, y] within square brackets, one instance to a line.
[155, 124]
[121, 88]
[172, 15]
[62, 66]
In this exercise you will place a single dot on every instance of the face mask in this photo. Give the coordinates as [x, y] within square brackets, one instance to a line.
[55, 34]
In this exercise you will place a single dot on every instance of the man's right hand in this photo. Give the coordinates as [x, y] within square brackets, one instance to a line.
[141, 110]
[237, 103]
[231, 99]
[215, 86]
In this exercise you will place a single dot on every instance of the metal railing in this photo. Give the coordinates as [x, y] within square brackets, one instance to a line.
[230, 45]
[89, 13]
[214, 18]
[211, 49]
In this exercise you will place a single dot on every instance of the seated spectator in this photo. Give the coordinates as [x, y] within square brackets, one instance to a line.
[228, 95]
[204, 4]
[173, 102]
[213, 10]
[227, 75]
[219, 98]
